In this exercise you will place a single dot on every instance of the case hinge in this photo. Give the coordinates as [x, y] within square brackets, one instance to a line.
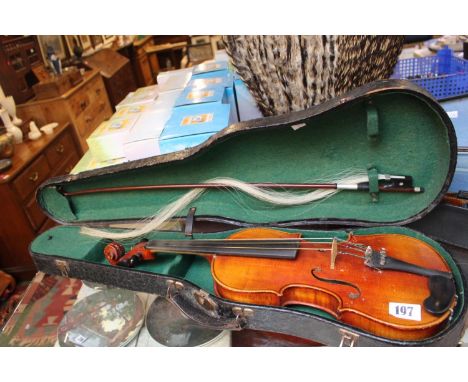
[348, 339]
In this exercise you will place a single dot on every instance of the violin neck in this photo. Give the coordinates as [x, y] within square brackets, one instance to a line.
[278, 249]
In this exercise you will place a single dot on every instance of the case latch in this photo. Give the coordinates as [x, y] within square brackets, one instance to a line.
[173, 287]
[63, 267]
[348, 339]
[204, 300]
[241, 315]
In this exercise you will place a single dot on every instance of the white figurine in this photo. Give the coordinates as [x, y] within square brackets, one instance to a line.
[8, 103]
[34, 132]
[11, 128]
[49, 128]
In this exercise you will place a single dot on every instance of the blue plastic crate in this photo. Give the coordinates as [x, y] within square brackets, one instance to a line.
[443, 76]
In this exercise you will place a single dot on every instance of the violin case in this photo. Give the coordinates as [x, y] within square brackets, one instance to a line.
[389, 127]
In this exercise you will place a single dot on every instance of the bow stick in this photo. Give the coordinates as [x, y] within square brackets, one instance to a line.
[260, 191]
[387, 183]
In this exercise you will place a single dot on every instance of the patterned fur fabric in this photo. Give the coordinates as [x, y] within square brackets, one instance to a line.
[290, 73]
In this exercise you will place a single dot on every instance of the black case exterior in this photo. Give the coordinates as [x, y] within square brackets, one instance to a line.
[214, 312]
[217, 313]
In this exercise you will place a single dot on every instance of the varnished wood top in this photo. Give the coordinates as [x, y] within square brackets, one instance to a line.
[142, 41]
[88, 76]
[27, 152]
[106, 61]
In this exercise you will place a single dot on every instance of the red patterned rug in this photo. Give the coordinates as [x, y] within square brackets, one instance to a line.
[36, 318]
[8, 307]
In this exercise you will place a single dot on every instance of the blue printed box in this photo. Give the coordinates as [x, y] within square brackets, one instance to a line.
[218, 78]
[197, 119]
[176, 144]
[209, 67]
[221, 78]
[191, 96]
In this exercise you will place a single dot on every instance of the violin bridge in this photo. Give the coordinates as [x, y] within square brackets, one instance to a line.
[333, 253]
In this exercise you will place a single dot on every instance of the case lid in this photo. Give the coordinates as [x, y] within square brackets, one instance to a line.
[387, 127]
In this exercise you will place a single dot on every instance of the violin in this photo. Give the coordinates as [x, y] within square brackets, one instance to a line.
[390, 285]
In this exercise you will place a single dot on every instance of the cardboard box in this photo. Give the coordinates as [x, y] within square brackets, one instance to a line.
[174, 79]
[211, 66]
[135, 110]
[190, 120]
[218, 78]
[192, 96]
[143, 139]
[208, 79]
[176, 144]
[88, 162]
[246, 104]
[139, 97]
[106, 142]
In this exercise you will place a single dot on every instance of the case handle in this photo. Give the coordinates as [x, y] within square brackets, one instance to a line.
[201, 309]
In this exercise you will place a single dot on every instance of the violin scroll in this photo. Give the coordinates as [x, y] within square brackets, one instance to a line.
[116, 255]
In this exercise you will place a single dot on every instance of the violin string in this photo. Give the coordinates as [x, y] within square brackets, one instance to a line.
[208, 250]
[271, 241]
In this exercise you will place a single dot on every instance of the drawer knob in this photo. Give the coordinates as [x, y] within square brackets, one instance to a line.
[60, 149]
[34, 177]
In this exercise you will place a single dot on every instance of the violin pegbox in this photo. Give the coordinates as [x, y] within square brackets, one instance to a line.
[115, 254]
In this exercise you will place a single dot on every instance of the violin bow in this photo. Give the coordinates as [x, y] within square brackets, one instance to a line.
[387, 183]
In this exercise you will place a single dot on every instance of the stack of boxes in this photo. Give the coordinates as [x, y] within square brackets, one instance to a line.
[183, 110]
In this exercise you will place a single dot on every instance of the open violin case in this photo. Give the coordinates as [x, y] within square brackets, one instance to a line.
[386, 127]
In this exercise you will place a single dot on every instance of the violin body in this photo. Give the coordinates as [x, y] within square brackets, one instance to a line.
[390, 285]
[362, 302]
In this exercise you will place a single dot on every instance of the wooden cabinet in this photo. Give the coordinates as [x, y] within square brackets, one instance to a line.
[22, 219]
[116, 71]
[18, 56]
[142, 65]
[86, 106]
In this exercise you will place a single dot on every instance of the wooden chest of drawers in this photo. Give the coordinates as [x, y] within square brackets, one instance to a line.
[85, 106]
[116, 71]
[21, 217]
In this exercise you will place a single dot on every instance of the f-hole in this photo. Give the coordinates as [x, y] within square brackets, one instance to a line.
[351, 295]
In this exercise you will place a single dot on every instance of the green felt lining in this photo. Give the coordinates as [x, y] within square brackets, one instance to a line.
[56, 242]
[412, 140]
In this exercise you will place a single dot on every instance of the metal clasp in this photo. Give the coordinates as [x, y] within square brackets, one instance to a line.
[241, 315]
[348, 339]
[63, 267]
[205, 300]
[173, 288]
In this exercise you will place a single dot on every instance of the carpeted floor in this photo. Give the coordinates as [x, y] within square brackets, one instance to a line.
[35, 320]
